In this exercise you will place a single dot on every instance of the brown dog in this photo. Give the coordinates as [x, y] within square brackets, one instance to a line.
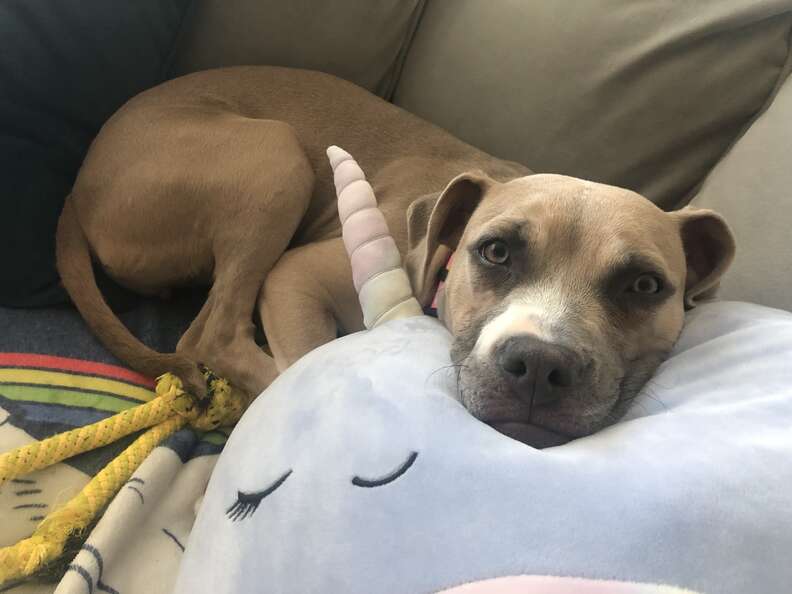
[559, 287]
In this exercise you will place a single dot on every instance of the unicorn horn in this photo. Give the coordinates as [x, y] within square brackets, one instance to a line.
[381, 283]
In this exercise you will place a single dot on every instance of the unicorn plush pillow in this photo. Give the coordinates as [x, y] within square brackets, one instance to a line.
[358, 471]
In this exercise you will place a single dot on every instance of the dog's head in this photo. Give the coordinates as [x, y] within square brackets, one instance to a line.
[563, 297]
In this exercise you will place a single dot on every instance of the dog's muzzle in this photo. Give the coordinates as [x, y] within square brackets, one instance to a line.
[537, 372]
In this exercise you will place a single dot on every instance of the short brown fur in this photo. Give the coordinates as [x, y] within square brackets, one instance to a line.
[221, 178]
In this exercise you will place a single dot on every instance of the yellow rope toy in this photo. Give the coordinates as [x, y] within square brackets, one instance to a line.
[171, 409]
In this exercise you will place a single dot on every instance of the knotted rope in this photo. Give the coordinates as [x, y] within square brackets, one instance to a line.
[171, 409]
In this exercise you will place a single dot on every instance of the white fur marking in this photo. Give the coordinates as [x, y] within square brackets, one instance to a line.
[534, 314]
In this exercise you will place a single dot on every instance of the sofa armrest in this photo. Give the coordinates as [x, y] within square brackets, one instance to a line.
[752, 188]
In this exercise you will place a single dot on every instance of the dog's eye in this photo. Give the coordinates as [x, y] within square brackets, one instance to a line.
[646, 284]
[495, 251]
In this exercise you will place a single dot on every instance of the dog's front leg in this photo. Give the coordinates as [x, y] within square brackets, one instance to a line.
[306, 298]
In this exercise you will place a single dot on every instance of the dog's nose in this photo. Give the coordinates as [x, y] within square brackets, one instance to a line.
[538, 371]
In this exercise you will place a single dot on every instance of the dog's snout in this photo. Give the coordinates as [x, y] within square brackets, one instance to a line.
[539, 372]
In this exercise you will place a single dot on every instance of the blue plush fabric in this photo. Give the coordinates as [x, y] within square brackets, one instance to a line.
[691, 489]
[65, 67]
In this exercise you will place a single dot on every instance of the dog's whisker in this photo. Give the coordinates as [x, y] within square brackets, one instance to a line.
[443, 368]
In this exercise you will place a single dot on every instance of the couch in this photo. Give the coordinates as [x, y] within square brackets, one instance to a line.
[687, 103]
[684, 102]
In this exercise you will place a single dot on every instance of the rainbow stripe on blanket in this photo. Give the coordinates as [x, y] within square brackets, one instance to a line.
[44, 395]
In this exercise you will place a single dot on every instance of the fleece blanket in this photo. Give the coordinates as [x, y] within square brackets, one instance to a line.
[358, 471]
[54, 376]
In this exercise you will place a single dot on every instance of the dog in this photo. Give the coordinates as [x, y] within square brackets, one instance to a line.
[563, 295]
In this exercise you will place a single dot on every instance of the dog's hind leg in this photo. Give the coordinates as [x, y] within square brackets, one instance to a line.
[253, 230]
[222, 336]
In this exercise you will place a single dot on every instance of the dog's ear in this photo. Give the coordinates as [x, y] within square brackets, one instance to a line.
[435, 224]
[709, 250]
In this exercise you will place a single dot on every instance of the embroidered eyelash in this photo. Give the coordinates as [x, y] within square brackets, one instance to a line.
[369, 483]
[247, 503]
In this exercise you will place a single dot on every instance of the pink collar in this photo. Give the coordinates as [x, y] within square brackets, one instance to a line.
[441, 277]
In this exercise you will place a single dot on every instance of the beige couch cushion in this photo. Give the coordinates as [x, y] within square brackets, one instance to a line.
[646, 95]
[362, 41]
[752, 188]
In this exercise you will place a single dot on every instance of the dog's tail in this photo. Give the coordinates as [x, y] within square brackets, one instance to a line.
[76, 271]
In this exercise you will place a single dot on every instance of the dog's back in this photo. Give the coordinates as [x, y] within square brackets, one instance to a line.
[211, 177]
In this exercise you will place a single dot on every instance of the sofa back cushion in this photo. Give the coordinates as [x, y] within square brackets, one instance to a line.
[646, 95]
[360, 41]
